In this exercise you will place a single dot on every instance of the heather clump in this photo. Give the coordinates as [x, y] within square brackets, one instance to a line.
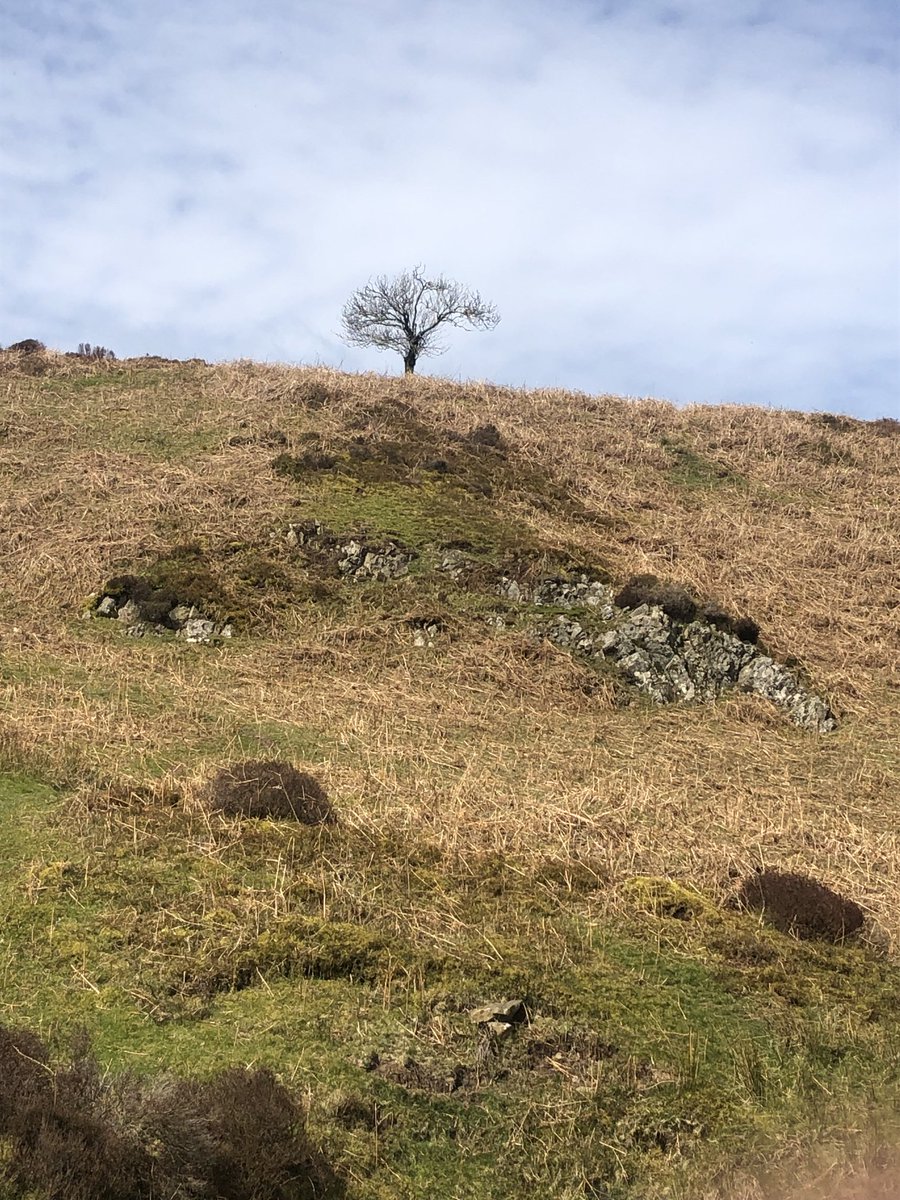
[76, 1132]
[800, 905]
[270, 789]
[674, 599]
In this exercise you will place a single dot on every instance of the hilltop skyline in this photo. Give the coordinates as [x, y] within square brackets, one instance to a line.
[691, 201]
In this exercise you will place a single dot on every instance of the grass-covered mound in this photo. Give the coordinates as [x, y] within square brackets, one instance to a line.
[516, 823]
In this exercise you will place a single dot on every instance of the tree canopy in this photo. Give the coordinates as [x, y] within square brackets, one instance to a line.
[408, 312]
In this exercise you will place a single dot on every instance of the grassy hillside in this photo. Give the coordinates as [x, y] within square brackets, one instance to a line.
[514, 821]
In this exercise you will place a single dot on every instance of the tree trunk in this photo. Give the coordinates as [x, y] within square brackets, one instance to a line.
[409, 361]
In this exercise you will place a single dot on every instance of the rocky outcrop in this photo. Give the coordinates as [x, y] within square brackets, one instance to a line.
[670, 661]
[141, 611]
[358, 560]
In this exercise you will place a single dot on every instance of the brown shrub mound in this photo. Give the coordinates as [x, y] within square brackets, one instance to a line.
[269, 789]
[800, 905]
[84, 1134]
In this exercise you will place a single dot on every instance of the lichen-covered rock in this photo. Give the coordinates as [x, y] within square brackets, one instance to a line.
[360, 561]
[511, 589]
[581, 592]
[198, 630]
[671, 661]
[570, 635]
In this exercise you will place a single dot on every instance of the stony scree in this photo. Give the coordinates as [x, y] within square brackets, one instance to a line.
[183, 619]
[360, 561]
[580, 592]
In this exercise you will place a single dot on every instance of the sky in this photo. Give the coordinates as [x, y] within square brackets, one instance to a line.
[697, 200]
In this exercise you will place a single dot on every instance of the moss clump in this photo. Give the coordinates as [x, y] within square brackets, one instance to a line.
[315, 947]
[666, 898]
[270, 789]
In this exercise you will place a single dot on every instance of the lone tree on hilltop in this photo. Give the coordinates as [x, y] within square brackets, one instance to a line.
[406, 312]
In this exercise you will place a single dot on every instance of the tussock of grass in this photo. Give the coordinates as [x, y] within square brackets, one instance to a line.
[510, 826]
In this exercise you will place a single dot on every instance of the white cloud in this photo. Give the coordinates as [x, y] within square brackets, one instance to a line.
[680, 199]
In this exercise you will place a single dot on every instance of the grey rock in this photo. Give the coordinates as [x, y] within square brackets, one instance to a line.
[107, 607]
[302, 533]
[198, 630]
[359, 561]
[182, 613]
[426, 633]
[504, 1011]
[671, 662]
[137, 629]
[129, 613]
[512, 590]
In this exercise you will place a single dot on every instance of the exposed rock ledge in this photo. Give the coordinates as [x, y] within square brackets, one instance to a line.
[667, 659]
[672, 661]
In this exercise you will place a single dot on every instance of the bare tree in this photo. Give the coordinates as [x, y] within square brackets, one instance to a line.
[406, 313]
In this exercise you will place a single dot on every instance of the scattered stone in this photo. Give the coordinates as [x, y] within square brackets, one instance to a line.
[425, 630]
[577, 593]
[512, 589]
[302, 533]
[495, 620]
[506, 1012]
[141, 609]
[360, 561]
[454, 563]
[570, 635]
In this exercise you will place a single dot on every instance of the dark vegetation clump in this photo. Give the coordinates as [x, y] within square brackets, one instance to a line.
[886, 427]
[298, 466]
[28, 346]
[673, 598]
[180, 577]
[837, 422]
[800, 905]
[71, 1131]
[680, 604]
[154, 603]
[101, 353]
[269, 789]
[744, 628]
[486, 435]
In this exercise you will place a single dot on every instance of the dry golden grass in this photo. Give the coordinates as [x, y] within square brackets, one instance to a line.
[486, 742]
